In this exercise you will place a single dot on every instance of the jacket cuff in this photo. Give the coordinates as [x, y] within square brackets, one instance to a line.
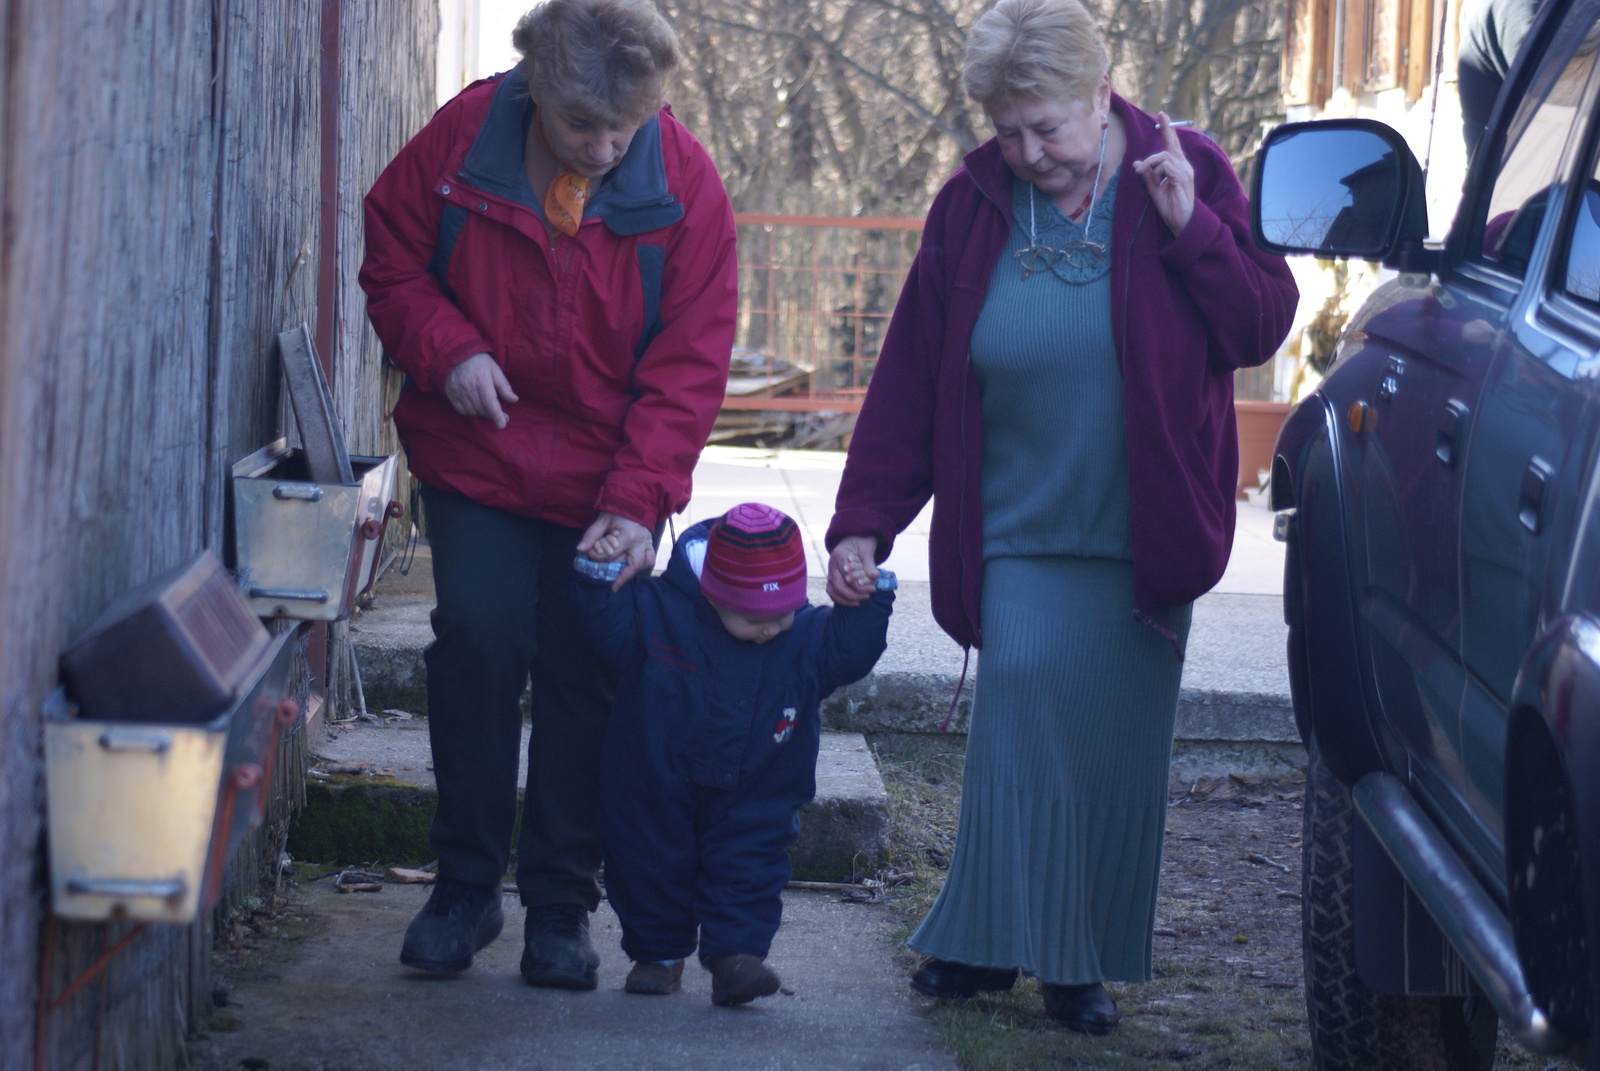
[440, 369]
[860, 522]
[1190, 245]
[616, 497]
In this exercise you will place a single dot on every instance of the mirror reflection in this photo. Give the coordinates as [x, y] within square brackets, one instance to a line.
[1334, 192]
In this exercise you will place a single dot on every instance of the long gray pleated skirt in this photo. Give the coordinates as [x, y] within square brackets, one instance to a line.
[1064, 799]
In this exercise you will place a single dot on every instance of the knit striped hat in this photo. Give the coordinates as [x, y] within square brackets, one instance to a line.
[754, 564]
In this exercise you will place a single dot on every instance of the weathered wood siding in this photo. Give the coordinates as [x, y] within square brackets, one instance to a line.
[158, 227]
[387, 90]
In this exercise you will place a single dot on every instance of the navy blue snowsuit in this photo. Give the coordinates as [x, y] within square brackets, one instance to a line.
[710, 753]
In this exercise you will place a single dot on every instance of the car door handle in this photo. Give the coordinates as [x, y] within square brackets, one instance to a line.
[1450, 425]
[1530, 507]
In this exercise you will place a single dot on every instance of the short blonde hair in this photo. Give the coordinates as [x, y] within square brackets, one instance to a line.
[605, 59]
[1034, 48]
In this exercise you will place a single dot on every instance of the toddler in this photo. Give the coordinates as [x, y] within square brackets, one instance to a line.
[712, 745]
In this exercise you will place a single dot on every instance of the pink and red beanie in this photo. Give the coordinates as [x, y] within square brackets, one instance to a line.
[755, 564]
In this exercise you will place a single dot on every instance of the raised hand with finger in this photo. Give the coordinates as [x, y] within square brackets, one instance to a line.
[1169, 177]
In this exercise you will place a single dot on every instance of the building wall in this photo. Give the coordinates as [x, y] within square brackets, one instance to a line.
[158, 227]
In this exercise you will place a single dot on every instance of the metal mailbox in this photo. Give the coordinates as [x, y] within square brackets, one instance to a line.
[144, 815]
[305, 549]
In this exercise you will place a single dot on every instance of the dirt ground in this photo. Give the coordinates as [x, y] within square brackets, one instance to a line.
[1227, 990]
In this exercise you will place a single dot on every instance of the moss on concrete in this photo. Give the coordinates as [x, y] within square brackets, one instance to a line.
[362, 821]
[351, 820]
[839, 840]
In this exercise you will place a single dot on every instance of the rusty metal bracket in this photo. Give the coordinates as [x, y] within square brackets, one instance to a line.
[48, 1005]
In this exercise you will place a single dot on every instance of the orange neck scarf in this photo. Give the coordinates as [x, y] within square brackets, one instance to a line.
[568, 192]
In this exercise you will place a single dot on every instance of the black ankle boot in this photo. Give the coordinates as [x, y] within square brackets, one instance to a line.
[949, 980]
[457, 921]
[1088, 1009]
[556, 948]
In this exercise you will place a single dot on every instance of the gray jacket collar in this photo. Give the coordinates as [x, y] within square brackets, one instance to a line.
[632, 198]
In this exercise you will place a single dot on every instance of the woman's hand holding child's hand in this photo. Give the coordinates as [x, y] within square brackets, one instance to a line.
[853, 570]
[612, 537]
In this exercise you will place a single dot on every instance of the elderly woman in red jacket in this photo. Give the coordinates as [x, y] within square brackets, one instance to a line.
[1058, 376]
[551, 262]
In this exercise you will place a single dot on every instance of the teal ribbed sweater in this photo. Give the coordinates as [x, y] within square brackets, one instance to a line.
[1055, 448]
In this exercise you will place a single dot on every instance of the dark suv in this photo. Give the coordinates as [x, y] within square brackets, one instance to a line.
[1440, 498]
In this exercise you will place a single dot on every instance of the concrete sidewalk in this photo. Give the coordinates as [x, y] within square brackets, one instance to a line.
[334, 996]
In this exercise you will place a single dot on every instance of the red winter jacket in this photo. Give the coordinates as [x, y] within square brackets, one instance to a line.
[616, 341]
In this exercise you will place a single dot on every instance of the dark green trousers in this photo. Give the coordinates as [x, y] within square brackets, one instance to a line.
[505, 612]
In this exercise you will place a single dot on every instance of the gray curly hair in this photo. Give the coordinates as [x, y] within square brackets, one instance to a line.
[1034, 48]
[607, 60]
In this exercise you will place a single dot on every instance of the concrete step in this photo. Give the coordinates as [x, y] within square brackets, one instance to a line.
[385, 812]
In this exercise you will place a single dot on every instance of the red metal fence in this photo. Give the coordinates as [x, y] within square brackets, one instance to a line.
[815, 296]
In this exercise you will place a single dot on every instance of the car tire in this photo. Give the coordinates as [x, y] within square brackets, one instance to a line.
[1352, 1027]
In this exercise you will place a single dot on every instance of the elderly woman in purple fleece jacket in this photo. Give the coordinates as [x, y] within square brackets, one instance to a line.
[1058, 377]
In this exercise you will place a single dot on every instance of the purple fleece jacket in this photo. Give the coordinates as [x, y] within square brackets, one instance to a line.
[1185, 312]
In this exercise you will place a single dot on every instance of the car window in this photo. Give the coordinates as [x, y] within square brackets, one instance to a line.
[1535, 139]
[1583, 255]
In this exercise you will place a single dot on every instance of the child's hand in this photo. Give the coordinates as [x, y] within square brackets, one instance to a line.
[605, 548]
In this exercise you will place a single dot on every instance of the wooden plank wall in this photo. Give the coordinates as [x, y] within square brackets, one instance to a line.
[158, 196]
[388, 90]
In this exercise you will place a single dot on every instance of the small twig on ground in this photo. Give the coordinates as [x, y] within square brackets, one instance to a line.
[1261, 860]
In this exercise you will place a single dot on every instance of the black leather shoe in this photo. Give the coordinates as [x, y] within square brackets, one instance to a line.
[457, 921]
[949, 980]
[556, 949]
[1088, 1009]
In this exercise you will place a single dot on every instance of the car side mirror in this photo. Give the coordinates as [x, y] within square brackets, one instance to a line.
[1339, 188]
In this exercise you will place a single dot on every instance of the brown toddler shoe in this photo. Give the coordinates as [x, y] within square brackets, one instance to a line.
[739, 978]
[654, 978]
